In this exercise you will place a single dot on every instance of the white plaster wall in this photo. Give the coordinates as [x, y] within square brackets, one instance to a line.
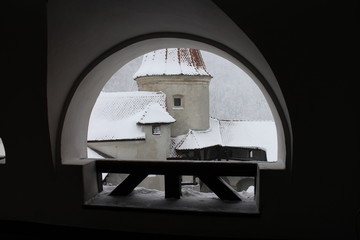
[154, 147]
[119, 149]
[157, 146]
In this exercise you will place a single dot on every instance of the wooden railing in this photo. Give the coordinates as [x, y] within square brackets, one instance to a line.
[209, 172]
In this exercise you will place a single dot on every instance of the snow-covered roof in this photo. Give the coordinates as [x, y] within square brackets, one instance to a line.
[251, 134]
[115, 114]
[172, 61]
[155, 113]
[247, 134]
[202, 139]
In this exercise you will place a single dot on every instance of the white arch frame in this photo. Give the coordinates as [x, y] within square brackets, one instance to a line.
[74, 126]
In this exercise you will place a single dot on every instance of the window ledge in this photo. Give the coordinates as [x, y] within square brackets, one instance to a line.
[156, 202]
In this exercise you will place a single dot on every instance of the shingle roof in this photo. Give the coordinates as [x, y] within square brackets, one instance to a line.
[172, 61]
[247, 134]
[251, 134]
[155, 113]
[115, 114]
[202, 139]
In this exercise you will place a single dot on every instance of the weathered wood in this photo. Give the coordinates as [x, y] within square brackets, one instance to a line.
[193, 168]
[222, 189]
[99, 182]
[208, 172]
[128, 185]
[172, 186]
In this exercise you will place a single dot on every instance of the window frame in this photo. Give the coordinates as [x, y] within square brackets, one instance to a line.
[71, 152]
[181, 99]
[156, 129]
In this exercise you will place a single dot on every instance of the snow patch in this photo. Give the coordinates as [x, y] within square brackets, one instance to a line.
[190, 193]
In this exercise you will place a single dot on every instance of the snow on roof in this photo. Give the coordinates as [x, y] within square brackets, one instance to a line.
[172, 61]
[251, 134]
[247, 134]
[115, 114]
[122, 129]
[202, 139]
[155, 113]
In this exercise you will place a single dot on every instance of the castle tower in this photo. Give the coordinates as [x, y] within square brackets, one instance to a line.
[181, 74]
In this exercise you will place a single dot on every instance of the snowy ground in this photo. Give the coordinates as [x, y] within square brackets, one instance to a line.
[151, 199]
[246, 196]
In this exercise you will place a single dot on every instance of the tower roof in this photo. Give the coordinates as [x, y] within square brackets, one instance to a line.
[172, 61]
[155, 113]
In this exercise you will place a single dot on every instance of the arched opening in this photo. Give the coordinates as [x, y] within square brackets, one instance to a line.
[237, 125]
[74, 131]
[90, 86]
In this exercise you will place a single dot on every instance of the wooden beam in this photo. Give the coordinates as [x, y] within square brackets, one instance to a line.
[128, 185]
[178, 167]
[172, 186]
[222, 189]
[99, 182]
[207, 171]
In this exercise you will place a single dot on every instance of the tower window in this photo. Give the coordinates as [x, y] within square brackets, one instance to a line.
[178, 102]
[156, 130]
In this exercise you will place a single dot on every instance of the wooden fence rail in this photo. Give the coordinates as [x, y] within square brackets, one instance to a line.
[207, 171]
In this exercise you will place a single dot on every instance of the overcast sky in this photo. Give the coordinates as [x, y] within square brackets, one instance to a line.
[233, 94]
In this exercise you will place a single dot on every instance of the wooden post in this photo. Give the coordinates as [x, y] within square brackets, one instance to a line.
[99, 182]
[208, 172]
[172, 186]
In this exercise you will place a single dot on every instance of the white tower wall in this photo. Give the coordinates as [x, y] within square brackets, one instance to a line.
[193, 113]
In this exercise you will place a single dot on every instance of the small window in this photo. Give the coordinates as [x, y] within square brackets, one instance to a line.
[251, 154]
[156, 130]
[178, 103]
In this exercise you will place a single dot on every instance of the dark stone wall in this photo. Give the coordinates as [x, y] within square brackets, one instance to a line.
[313, 51]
